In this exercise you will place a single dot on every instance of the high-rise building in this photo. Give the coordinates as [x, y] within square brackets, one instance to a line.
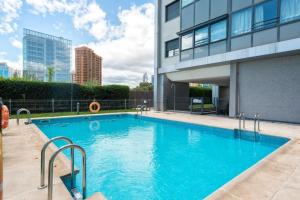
[145, 77]
[5, 71]
[42, 53]
[249, 50]
[88, 66]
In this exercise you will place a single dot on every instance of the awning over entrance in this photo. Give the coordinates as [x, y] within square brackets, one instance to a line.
[218, 75]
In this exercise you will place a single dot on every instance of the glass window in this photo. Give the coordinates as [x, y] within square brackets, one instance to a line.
[201, 36]
[218, 31]
[186, 2]
[187, 41]
[201, 11]
[187, 17]
[187, 54]
[265, 15]
[289, 10]
[172, 10]
[241, 22]
[172, 48]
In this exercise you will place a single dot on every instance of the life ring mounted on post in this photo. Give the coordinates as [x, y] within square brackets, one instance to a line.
[93, 105]
[5, 117]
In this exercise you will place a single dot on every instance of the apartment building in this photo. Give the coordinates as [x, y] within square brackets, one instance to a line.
[249, 49]
[42, 51]
[88, 66]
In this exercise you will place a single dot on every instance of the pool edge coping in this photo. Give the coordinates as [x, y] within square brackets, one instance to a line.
[244, 174]
[240, 177]
[65, 161]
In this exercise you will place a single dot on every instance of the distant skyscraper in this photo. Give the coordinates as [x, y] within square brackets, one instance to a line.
[88, 66]
[42, 51]
[5, 71]
[145, 77]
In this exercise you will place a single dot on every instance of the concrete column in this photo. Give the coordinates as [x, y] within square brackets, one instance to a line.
[233, 98]
[159, 92]
[158, 79]
[215, 93]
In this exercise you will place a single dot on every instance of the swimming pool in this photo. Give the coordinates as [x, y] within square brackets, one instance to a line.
[134, 158]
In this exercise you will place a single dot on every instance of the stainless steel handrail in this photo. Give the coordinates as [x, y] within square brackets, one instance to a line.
[139, 108]
[256, 122]
[51, 163]
[19, 112]
[241, 118]
[42, 172]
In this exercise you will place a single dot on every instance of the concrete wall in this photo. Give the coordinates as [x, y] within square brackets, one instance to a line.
[169, 31]
[271, 87]
[233, 95]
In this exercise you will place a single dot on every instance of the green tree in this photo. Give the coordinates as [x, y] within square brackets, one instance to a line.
[144, 86]
[91, 84]
[50, 73]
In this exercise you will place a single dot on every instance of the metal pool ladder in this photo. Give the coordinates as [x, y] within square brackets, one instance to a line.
[50, 171]
[42, 180]
[70, 146]
[241, 118]
[139, 108]
[256, 122]
[23, 110]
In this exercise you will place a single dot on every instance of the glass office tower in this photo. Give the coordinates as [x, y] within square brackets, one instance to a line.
[5, 71]
[41, 52]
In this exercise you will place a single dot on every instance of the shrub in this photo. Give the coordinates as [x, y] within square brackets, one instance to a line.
[22, 89]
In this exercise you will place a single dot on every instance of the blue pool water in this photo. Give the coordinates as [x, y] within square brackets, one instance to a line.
[133, 158]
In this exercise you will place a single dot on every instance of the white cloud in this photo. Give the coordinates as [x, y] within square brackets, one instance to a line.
[2, 54]
[129, 51]
[16, 43]
[86, 15]
[92, 19]
[9, 12]
[17, 64]
[52, 6]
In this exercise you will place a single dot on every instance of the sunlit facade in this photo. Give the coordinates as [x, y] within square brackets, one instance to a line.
[41, 52]
[248, 49]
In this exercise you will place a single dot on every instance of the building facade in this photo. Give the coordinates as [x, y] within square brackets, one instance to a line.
[43, 52]
[88, 66]
[5, 71]
[250, 51]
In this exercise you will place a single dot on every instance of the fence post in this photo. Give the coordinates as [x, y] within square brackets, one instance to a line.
[52, 105]
[78, 108]
[191, 105]
[135, 103]
[10, 111]
[71, 104]
[125, 104]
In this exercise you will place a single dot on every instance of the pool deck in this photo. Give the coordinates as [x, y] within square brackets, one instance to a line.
[275, 177]
[21, 156]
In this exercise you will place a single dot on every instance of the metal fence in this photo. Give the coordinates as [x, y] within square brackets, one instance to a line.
[55, 105]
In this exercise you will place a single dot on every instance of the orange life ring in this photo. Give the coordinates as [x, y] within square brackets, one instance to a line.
[5, 117]
[98, 107]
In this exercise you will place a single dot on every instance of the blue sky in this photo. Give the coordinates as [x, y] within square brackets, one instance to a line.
[115, 29]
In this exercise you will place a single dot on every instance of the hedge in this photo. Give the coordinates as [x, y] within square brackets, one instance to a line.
[20, 89]
[201, 92]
